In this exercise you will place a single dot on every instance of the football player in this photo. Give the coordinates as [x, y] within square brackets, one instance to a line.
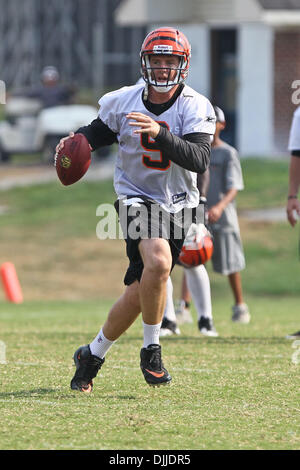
[163, 129]
[225, 180]
[195, 285]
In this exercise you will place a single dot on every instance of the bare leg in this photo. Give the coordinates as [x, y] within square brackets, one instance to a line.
[185, 293]
[148, 296]
[123, 313]
[89, 359]
[236, 286]
[157, 259]
[183, 312]
[240, 309]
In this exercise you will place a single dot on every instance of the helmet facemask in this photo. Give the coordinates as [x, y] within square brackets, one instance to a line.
[148, 73]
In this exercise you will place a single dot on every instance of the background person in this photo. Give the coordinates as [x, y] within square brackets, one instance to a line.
[293, 203]
[226, 180]
[50, 92]
[183, 312]
[195, 286]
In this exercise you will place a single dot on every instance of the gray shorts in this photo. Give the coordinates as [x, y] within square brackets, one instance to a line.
[228, 255]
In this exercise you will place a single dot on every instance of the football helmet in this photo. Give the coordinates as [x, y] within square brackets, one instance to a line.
[197, 248]
[168, 41]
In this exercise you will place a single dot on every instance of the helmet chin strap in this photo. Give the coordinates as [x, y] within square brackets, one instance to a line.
[146, 92]
[163, 89]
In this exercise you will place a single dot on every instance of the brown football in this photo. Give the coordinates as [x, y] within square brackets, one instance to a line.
[73, 161]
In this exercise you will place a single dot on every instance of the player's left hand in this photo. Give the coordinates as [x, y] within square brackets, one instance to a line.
[145, 123]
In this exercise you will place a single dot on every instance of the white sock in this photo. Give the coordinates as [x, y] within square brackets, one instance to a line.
[169, 312]
[100, 345]
[151, 334]
[199, 286]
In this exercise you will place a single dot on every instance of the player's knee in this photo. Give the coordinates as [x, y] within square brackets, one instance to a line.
[160, 265]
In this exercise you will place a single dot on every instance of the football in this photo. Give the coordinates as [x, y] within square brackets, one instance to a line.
[197, 248]
[73, 161]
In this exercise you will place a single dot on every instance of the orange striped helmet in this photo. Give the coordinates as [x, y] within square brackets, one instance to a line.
[167, 41]
[196, 254]
[197, 248]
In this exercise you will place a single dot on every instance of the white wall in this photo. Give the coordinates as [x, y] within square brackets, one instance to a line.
[142, 12]
[199, 76]
[255, 92]
[187, 11]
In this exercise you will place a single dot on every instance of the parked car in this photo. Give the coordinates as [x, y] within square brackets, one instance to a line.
[29, 129]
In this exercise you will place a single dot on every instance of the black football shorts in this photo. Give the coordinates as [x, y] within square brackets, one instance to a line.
[142, 218]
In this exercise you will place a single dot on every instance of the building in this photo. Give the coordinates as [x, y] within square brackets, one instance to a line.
[244, 58]
[79, 37]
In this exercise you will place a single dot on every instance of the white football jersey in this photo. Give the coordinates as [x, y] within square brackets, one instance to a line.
[141, 167]
[294, 139]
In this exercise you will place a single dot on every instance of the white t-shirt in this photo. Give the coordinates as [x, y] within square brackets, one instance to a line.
[141, 168]
[294, 140]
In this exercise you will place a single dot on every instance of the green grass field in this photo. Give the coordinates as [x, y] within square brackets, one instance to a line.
[237, 391]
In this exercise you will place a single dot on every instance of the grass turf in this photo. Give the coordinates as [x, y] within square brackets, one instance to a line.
[238, 391]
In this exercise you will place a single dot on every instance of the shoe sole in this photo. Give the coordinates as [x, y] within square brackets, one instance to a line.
[166, 332]
[209, 333]
[167, 381]
[83, 390]
[244, 321]
[159, 385]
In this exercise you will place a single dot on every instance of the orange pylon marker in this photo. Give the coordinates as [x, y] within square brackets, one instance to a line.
[11, 283]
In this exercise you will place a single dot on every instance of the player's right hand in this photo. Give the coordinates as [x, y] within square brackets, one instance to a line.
[61, 143]
[214, 213]
[293, 206]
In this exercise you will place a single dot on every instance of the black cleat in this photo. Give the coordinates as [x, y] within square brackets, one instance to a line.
[294, 335]
[168, 328]
[87, 367]
[152, 367]
[206, 327]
